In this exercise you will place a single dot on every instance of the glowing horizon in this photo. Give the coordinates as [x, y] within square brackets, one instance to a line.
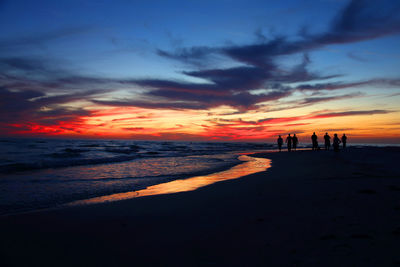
[170, 74]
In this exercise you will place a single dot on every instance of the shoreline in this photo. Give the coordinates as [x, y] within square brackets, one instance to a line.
[248, 166]
[310, 208]
[226, 170]
[16, 206]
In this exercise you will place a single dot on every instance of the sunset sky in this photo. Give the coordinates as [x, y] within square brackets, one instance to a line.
[196, 70]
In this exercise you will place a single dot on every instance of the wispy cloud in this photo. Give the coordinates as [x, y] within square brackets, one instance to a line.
[360, 20]
[343, 85]
[286, 120]
[351, 113]
[39, 39]
[31, 107]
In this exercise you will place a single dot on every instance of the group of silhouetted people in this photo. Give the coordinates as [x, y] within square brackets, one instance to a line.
[335, 142]
[292, 142]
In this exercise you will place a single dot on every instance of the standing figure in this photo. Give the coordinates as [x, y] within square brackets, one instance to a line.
[344, 140]
[295, 141]
[280, 143]
[327, 141]
[336, 142]
[289, 143]
[314, 140]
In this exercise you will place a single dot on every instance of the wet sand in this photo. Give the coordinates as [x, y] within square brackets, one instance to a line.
[309, 209]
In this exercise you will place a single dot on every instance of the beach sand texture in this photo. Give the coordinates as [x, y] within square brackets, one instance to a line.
[309, 209]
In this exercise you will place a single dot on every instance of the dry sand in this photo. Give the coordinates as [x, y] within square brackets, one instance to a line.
[309, 209]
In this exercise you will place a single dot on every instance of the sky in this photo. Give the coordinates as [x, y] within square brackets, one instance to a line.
[199, 70]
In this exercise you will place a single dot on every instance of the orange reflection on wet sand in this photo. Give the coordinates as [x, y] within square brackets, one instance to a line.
[250, 165]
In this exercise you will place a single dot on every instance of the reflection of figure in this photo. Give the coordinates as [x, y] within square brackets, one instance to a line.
[289, 143]
[344, 140]
[314, 140]
[295, 141]
[327, 141]
[280, 143]
[336, 142]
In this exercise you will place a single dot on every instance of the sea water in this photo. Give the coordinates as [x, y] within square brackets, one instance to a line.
[46, 173]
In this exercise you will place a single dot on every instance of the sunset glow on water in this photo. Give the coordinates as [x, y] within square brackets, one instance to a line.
[251, 165]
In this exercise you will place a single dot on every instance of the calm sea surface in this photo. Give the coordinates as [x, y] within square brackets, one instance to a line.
[46, 173]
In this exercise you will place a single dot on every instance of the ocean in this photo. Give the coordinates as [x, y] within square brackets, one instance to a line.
[47, 173]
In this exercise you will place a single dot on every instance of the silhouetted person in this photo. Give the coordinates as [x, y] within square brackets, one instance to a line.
[336, 142]
[289, 143]
[344, 140]
[280, 143]
[314, 140]
[327, 139]
[295, 141]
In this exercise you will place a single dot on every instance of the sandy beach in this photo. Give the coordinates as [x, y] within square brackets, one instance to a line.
[311, 208]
